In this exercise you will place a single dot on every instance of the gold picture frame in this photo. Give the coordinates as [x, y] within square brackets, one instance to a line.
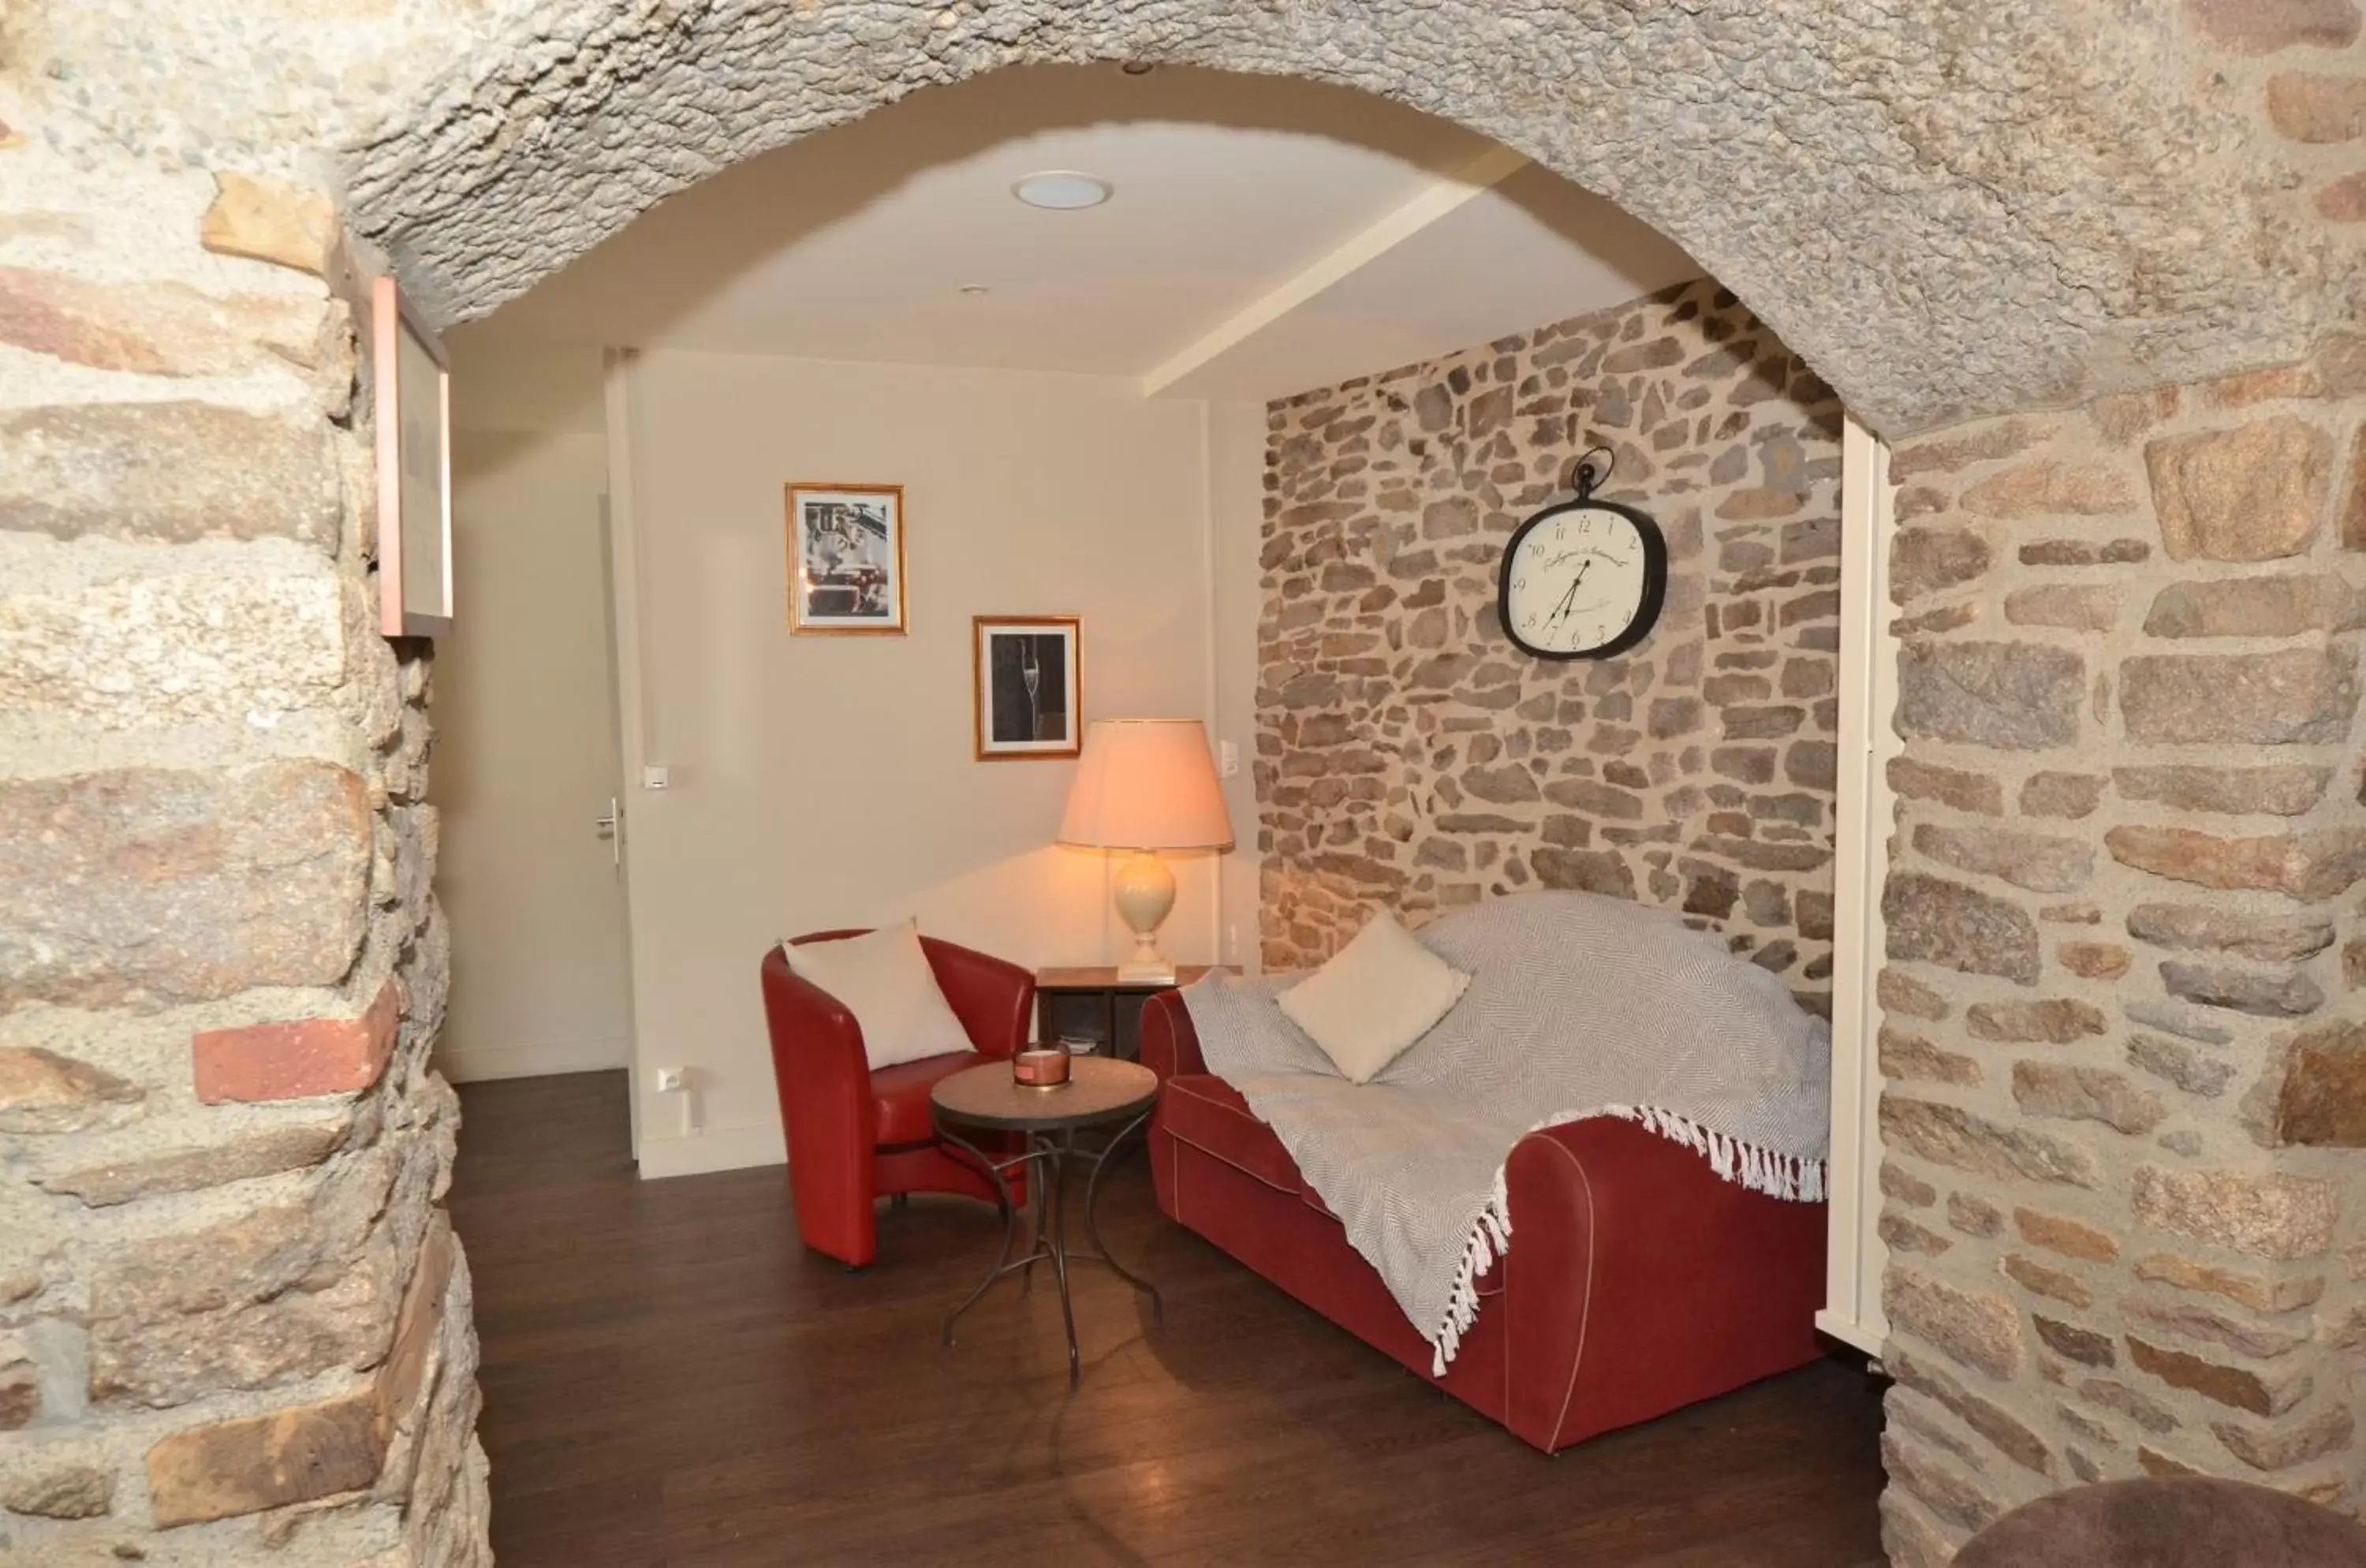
[845, 560]
[1024, 670]
[412, 379]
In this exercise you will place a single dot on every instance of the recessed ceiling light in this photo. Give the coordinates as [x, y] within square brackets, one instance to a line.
[1062, 190]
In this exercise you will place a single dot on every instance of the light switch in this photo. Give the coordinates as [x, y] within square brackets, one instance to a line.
[657, 776]
[1228, 758]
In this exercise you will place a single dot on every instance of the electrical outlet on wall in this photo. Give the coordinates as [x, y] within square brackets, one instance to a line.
[673, 1084]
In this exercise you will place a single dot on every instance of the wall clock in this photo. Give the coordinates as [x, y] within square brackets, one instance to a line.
[1584, 579]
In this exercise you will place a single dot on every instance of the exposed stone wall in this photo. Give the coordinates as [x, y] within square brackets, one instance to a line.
[2125, 1046]
[2302, 71]
[2072, 198]
[1411, 758]
[233, 1323]
[2062, 199]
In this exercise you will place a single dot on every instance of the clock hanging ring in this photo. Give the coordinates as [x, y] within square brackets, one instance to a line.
[1583, 579]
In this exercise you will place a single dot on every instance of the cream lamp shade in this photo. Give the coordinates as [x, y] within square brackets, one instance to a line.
[1146, 784]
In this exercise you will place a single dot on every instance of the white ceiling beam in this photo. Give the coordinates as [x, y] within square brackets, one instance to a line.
[1440, 197]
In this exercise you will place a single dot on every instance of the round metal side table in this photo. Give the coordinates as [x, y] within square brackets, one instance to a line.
[1100, 1093]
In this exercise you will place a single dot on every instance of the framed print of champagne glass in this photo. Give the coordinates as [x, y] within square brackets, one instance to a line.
[1028, 674]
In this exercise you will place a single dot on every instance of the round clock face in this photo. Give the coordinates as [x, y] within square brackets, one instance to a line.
[1583, 580]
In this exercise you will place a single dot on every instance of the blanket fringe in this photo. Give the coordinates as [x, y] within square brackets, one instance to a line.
[1760, 1169]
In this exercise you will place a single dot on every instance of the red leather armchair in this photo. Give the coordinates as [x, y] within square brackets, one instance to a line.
[856, 1135]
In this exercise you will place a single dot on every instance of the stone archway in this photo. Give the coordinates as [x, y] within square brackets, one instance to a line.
[2124, 1070]
[1945, 219]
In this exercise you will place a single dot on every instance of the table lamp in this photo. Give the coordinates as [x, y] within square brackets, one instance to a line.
[1144, 786]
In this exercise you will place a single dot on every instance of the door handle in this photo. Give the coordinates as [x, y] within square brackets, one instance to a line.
[609, 825]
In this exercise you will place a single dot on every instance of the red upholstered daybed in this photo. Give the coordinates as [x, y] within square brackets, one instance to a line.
[1637, 1282]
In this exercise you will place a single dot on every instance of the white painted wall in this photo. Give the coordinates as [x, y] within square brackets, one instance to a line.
[525, 749]
[821, 782]
[1236, 466]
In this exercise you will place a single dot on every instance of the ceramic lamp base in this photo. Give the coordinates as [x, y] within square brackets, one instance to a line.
[1145, 891]
[1157, 972]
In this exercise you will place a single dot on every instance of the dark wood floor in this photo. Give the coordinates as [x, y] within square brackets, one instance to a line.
[670, 1380]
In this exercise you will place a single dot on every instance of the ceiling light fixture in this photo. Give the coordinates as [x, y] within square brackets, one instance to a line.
[1062, 190]
[1139, 67]
[976, 289]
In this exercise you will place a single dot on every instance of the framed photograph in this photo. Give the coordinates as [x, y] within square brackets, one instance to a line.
[846, 560]
[413, 386]
[1029, 686]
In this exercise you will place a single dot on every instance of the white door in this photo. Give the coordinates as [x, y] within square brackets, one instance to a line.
[526, 763]
[1868, 695]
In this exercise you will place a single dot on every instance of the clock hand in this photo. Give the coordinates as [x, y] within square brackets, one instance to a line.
[1569, 598]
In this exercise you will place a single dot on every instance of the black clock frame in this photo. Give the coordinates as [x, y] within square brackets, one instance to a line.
[1655, 575]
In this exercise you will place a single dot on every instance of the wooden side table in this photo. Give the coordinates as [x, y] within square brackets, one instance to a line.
[1093, 1001]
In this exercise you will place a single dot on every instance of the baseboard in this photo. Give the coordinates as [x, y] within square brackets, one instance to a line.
[1852, 1332]
[479, 1064]
[717, 1148]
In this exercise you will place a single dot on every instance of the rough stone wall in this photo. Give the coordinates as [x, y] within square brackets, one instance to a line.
[2125, 1049]
[1410, 758]
[2061, 199]
[233, 1322]
[1953, 215]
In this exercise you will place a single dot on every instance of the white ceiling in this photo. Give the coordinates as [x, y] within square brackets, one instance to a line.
[1234, 194]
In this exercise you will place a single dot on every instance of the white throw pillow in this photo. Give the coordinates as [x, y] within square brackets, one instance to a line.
[1376, 995]
[884, 979]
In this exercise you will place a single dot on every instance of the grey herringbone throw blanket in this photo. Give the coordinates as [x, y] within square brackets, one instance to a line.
[1578, 1006]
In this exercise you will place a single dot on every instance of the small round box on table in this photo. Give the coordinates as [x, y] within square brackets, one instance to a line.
[1100, 1093]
